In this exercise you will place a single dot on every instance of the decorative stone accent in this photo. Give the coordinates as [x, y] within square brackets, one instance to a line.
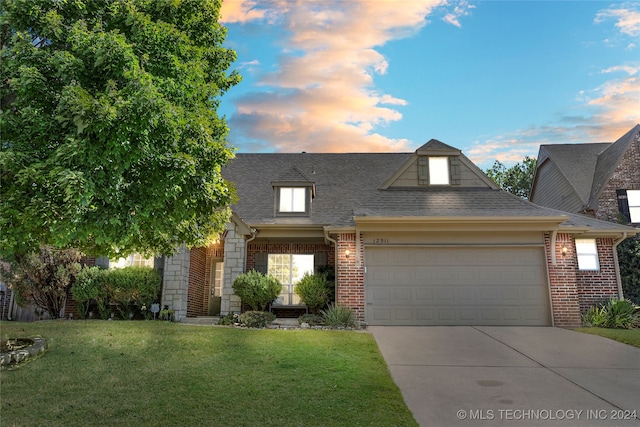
[234, 263]
[34, 348]
[175, 285]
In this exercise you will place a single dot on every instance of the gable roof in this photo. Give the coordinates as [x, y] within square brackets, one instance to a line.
[576, 162]
[608, 160]
[348, 186]
[586, 167]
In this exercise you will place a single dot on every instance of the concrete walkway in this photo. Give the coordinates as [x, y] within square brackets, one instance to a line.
[521, 376]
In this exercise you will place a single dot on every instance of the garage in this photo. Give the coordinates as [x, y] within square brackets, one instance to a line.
[460, 285]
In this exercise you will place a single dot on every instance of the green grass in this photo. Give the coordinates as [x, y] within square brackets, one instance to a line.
[162, 373]
[627, 336]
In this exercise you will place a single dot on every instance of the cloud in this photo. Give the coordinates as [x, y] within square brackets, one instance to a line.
[241, 11]
[463, 8]
[603, 114]
[627, 17]
[322, 95]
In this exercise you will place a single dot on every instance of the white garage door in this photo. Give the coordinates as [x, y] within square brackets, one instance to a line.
[456, 286]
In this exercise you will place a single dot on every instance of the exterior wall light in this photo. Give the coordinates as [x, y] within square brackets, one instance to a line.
[564, 250]
[347, 253]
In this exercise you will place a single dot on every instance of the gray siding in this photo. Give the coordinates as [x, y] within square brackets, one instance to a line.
[554, 191]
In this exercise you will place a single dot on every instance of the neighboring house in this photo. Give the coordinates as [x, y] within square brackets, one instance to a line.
[423, 238]
[601, 180]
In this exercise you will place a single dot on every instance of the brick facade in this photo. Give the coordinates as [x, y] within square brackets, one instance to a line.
[597, 286]
[626, 176]
[197, 282]
[350, 274]
[573, 291]
[565, 301]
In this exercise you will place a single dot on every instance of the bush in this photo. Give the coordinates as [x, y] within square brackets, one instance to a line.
[44, 278]
[132, 286]
[620, 314]
[257, 290]
[311, 319]
[256, 319]
[314, 290]
[88, 289]
[338, 316]
[229, 319]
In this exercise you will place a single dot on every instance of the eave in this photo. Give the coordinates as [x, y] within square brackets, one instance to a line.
[470, 223]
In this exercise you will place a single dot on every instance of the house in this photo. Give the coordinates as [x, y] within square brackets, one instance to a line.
[601, 180]
[422, 238]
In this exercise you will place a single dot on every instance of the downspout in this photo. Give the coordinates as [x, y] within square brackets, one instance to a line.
[615, 260]
[335, 257]
[10, 310]
[254, 234]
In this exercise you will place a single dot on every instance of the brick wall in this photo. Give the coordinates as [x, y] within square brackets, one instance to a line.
[597, 286]
[197, 281]
[350, 274]
[562, 277]
[288, 248]
[626, 176]
[215, 251]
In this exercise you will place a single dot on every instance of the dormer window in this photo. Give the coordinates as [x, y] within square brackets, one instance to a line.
[439, 171]
[292, 199]
[293, 193]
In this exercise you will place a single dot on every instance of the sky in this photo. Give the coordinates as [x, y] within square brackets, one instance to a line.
[495, 79]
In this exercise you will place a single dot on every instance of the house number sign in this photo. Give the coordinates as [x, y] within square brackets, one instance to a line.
[380, 240]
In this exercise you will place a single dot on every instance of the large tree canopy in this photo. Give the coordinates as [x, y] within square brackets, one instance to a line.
[516, 179]
[110, 137]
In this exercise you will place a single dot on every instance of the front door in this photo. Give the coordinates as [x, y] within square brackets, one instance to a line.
[215, 299]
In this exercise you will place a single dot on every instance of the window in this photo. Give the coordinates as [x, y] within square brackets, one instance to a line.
[629, 205]
[135, 260]
[633, 197]
[289, 269]
[438, 170]
[587, 252]
[292, 199]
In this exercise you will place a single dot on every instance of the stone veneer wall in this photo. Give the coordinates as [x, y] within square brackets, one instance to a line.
[350, 274]
[234, 264]
[626, 176]
[175, 286]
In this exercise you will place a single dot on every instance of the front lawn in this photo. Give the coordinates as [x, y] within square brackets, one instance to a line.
[627, 336]
[162, 373]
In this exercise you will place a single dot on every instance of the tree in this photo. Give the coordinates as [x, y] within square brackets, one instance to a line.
[111, 142]
[629, 262]
[43, 278]
[516, 179]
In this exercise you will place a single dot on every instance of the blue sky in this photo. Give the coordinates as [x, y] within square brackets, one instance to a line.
[493, 78]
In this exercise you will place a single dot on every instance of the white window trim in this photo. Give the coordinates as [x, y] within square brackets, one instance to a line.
[587, 255]
[633, 199]
[289, 295]
[294, 205]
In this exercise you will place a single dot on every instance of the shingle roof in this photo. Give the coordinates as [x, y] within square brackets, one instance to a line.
[347, 184]
[608, 160]
[576, 162]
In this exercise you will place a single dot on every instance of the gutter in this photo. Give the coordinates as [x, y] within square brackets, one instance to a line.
[617, 265]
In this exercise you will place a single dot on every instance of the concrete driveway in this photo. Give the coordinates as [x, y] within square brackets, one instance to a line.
[524, 376]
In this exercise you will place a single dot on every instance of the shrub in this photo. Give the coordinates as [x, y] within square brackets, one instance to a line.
[621, 314]
[257, 290]
[311, 319]
[256, 319]
[339, 316]
[88, 289]
[132, 286]
[314, 290]
[229, 319]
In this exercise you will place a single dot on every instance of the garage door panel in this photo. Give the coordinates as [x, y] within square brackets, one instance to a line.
[456, 286]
